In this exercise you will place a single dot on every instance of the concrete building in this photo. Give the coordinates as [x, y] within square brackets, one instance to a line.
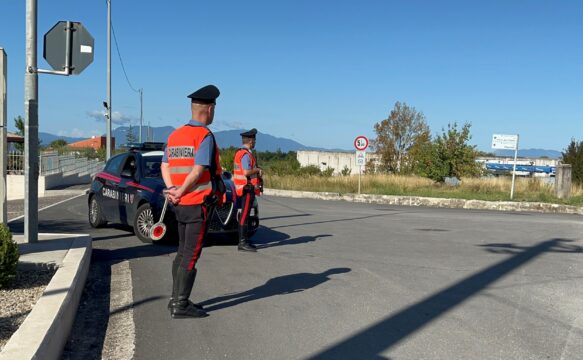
[96, 142]
[336, 160]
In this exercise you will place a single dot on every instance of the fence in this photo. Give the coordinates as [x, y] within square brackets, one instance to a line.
[53, 163]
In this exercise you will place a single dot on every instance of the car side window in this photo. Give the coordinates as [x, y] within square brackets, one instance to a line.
[130, 164]
[114, 164]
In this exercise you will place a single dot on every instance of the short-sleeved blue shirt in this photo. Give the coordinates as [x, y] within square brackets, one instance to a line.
[205, 150]
[246, 162]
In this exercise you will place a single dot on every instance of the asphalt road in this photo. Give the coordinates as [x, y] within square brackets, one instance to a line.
[338, 280]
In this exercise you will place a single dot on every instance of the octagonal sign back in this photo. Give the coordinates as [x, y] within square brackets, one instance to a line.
[55, 46]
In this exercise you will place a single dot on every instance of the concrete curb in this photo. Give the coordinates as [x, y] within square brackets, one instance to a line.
[432, 202]
[45, 330]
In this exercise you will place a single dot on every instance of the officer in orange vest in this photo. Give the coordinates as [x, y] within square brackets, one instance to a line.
[191, 172]
[248, 183]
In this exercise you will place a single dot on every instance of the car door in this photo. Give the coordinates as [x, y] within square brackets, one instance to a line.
[130, 177]
[109, 194]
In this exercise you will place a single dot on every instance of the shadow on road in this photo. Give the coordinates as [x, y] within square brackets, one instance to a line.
[333, 221]
[370, 342]
[280, 285]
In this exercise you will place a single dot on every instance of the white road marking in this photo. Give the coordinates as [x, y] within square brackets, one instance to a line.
[47, 207]
[120, 336]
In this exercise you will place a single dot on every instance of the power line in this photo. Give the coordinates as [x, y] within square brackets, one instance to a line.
[121, 60]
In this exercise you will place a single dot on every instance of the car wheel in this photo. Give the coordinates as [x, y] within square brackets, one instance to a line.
[143, 221]
[96, 218]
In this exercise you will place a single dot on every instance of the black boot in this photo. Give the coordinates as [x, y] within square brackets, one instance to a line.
[244, 242]
[181, 307]
[175, 288]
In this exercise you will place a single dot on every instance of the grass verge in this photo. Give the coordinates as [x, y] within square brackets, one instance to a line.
[488, 189]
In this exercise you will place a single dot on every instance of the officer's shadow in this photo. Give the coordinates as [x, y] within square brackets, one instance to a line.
[266, 238]
[280, 285]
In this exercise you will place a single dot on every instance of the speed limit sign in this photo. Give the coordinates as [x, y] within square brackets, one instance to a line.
[361, 143]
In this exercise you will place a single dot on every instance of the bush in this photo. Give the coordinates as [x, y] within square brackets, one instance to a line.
[328, 172]
[8, 257]
[346, 171]
[310, 170]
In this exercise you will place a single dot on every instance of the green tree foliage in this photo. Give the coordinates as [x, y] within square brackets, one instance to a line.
[19, 124]
[573, 155]
[59, 145]
[130, 137]
[275, 163]
[397, 134]
[450, 155]
[370, 168]
[8, 257]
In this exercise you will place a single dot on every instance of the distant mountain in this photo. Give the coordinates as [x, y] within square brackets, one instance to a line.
[531, 153]
[225, 139]
[265, 142]
[47, 138]
[156, 134]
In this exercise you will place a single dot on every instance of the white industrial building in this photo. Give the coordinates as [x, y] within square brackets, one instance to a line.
[336, 160]
[339, 160]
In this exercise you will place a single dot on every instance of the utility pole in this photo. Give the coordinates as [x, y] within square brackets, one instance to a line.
[108, 120]
[141, 113]
[3, 144]
[31, 127]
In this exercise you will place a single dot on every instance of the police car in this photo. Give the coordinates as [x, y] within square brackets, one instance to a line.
[129, 191]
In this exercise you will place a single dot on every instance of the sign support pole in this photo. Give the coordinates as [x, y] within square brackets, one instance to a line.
[31, 127]
[359, 171]
[514, 168]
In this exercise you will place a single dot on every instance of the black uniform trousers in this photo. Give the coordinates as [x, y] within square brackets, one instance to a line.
[192, 229]
[246, 204]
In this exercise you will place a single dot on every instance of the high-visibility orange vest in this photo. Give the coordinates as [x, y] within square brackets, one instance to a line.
[182, 147]
[239, 177]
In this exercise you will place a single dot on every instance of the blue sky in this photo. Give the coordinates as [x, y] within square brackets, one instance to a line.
[319, 72]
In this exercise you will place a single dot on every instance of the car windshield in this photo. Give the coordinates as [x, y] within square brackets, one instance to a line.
[152, 166]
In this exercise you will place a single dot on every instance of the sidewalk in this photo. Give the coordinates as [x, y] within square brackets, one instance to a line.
[45, 330]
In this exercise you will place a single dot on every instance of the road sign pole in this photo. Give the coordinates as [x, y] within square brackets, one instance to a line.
[108, 120]
[31, 127]
[359, 171]
[514, 168]
[3, 144]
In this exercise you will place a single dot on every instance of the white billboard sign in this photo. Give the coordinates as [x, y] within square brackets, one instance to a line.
[504, 142]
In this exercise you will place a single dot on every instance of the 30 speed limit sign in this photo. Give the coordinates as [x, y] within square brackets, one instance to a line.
[361, 143]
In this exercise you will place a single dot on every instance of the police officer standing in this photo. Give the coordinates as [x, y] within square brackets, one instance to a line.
[191, 172]
[248, 183]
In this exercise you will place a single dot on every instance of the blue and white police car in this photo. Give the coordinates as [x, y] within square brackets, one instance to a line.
[129, 191]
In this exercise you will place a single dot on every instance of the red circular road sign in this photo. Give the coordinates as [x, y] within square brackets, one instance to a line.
[361, 143]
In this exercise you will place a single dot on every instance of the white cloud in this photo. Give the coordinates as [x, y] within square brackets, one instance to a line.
[78, 133]
[227, 125]
[117, 117]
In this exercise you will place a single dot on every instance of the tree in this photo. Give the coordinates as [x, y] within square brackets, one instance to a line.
[130, 137]
[573, 155]
[397, 134]
[60, 145]
[19, 124]
[450, 155]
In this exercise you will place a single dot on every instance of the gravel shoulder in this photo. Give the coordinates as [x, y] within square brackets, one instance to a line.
[18, 300]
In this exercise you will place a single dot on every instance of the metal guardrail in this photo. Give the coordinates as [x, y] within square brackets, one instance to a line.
[53, 163]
